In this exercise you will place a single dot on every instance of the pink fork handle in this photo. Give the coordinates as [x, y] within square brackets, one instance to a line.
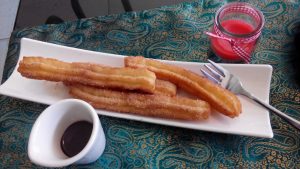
[288, 118]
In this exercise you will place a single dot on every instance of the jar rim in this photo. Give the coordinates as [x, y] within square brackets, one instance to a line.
[240, 4]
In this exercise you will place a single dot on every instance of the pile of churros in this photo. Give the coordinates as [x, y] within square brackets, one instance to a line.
[144, 86]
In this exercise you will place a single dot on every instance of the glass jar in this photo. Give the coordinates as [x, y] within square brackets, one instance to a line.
[236, 30]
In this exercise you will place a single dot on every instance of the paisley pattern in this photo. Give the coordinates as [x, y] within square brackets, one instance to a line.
[274, 9]
[174, 33]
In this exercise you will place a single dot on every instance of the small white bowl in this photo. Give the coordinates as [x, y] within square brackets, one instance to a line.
[44, 142]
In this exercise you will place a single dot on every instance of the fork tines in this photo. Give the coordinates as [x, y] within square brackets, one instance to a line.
[214, 72]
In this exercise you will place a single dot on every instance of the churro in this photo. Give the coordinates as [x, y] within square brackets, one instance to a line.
[219, 98]
[142, 104]
[89, 74]
[165, 88]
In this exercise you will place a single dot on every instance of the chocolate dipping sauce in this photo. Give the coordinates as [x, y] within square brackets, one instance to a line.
[76, 137]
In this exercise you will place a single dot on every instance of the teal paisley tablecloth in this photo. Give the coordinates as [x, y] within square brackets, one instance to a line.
[173, 33]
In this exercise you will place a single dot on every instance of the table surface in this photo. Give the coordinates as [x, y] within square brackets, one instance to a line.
[173, 33]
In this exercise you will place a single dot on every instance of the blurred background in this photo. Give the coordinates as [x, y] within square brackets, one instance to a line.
[36, 12]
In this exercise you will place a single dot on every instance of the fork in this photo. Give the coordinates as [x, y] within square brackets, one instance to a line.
[223, 77]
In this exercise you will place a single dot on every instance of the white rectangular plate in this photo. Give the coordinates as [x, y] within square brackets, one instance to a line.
[254, 120]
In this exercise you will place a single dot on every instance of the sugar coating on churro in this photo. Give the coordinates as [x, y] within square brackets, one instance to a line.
[142, 104]
[219, 98]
